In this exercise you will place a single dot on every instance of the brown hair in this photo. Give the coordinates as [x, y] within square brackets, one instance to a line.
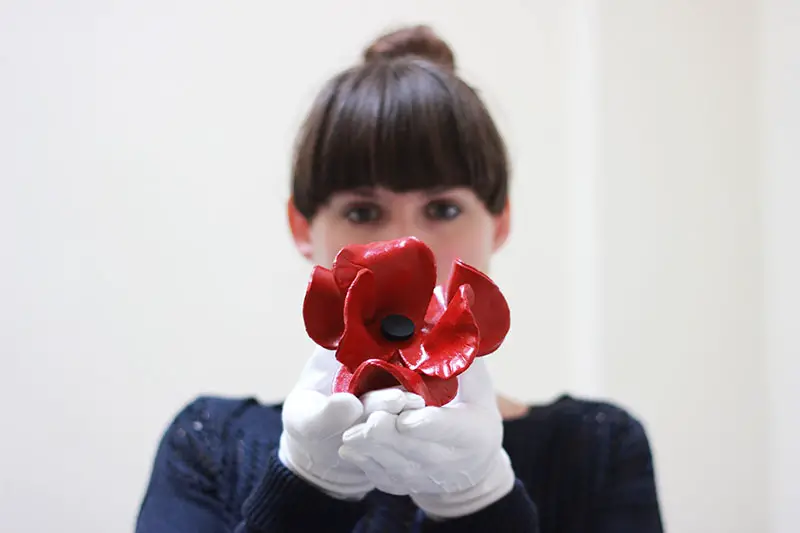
[419, 41]
[402, 120]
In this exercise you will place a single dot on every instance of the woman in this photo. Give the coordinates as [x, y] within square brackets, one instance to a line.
[394, 147]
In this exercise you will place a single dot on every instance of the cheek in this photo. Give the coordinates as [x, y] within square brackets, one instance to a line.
[473, 248]
[326, 241]
[471, 241]
[329, 236]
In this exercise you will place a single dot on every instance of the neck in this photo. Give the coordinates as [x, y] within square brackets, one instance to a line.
[511, 409]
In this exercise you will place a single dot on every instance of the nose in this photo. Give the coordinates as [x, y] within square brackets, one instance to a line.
[402, 228]
[405, 228]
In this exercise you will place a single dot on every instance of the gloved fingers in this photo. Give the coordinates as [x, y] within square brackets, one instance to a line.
[467, 495]
[341, 411]
[342, 471]
[475, 387]
[392, 401]
[450, 433]
[384, 479]
[300, 407]
[395, 473]
[379, 427]
[379, 433]
[380, 430]
[311, 415]
[319, 371]
[455, 425]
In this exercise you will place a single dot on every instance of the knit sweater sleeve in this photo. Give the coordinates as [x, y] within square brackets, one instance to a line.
[205, 467]
[626, 500]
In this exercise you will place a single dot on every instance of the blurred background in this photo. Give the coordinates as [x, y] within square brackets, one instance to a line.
[144, 256]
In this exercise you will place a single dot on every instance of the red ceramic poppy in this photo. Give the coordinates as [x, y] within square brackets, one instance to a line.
[379, 309]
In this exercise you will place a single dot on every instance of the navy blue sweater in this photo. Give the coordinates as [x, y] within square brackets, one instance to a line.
[582, 467]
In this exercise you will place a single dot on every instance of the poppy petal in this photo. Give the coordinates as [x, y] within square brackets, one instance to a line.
[357, 343]
[404, 269]
[322, 309]
[490, 307]
[436, 306]
[341, 381]
[451, 346]
[376, 374]
[412, 354]
[440, 391]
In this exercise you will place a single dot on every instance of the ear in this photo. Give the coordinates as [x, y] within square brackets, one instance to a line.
[301, 230]
[502, 227]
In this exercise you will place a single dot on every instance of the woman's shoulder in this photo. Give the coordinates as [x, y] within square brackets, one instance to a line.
[208, 429]
[591, 421]
[211, 435]
[212, 452]
[217, 418]
[571, 410]
[599, 438]
[594, 454]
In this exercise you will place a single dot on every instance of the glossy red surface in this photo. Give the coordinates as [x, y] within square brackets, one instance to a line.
[344, 307]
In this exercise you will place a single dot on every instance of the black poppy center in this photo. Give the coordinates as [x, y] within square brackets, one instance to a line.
[397, 328]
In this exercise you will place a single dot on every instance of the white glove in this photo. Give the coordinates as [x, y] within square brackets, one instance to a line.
[313, 422]
[449, 459]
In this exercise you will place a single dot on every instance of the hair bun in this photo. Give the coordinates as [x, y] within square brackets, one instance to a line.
[420, 41]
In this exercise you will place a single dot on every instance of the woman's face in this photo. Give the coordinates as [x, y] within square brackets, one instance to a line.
[454, 223]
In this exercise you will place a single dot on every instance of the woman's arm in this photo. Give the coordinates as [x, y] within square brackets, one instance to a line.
[627, 497]
[200, 481]
[284, 502]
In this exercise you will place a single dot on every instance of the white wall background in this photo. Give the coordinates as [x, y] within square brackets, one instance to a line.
[144, 157]
[682, 266]
[780, 127]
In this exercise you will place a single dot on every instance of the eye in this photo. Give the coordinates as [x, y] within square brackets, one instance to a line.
[363, 213]
[442, 210]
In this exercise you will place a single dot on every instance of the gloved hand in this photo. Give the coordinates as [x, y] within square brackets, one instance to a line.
[449, 459]
[313, 422]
